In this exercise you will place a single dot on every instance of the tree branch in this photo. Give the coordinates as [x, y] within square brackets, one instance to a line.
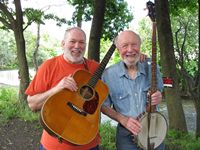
[5, 23]
[176, 38]
[19, 15]
[177, 45]
[8, 14]
[28, 24]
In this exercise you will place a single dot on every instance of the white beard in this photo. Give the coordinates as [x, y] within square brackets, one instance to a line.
[132, 62]
[73, 59]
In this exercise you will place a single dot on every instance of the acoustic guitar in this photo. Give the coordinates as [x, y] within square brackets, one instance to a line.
[75, 116]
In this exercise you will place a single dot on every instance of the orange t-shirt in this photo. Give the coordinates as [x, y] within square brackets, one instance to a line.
[47, 76]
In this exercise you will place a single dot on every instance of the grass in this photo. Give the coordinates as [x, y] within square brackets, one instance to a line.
[107, 133]
[177, 140]
[11, 108]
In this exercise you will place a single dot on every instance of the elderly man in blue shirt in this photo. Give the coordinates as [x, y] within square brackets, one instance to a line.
[129, 81]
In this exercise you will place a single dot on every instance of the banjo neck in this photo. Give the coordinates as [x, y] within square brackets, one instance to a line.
[154, 125]
[153, 87]
[154, 64]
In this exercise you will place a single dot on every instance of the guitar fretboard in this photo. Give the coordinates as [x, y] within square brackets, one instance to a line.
[97, 74]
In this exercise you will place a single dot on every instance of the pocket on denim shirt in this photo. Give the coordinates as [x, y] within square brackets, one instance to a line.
[122, 102]
[144, 93]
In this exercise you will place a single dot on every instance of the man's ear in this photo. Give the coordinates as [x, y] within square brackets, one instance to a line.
[143, 57]
[62, 43]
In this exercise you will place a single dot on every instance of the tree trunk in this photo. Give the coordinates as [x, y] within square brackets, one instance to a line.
[197, 103]
[21, 51]
[96, 30]
[35, 53]
[197, 106]
[175, 110]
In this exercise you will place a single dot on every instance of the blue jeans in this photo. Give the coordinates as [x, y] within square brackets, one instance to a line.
[41, 147]
[124, 140]
[95, 148]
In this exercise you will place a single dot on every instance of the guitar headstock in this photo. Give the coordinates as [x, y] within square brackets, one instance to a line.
[152, 12]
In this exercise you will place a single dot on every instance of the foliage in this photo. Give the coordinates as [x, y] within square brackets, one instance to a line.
[8, 46]
[145, 33]
[105, 45]
[26, 114]
[60, 21]
[48, 48]
[83, 10]
[38, 16]
[5, 17]
[33, 15]
[7, 102]
[182, 141]
[116, 58]
[177, 6]
[117, 15]
[11, 108]
[7, 50]
[12, 17]
[107, 133]
[186, 27]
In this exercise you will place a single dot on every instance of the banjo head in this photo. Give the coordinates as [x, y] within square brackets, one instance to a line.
[157, 131]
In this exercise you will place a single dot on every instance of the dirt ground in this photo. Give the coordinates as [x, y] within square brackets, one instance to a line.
[20, 135]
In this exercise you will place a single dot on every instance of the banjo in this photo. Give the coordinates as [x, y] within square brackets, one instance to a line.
[154, 124]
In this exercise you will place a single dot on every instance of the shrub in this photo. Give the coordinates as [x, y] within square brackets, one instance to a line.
[8, 102]
[11, 108]
[107, 133]
[177, 140]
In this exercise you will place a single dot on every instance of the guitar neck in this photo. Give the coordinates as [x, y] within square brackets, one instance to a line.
[97, 74]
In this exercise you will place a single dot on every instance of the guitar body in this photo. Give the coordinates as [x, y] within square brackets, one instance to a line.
[75, 116]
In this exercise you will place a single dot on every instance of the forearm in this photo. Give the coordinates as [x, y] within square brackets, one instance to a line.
[128, 122]
[112, 114]
[36, 101]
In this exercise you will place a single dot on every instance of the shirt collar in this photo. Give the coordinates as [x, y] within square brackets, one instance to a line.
[123, 72]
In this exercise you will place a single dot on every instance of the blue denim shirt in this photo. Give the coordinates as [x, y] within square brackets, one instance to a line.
[128, 96]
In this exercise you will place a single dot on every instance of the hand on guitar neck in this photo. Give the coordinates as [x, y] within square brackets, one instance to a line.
[154, 98]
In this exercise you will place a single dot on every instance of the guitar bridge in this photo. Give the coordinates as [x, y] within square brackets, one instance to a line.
[76, 109]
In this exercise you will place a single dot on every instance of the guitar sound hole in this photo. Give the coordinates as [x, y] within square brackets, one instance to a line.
[91, 99]
[86, 92]
[91, 105]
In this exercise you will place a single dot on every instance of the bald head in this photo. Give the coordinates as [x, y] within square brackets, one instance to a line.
[127, 36]
[128, 43]
[68, 31]
[74, 44]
